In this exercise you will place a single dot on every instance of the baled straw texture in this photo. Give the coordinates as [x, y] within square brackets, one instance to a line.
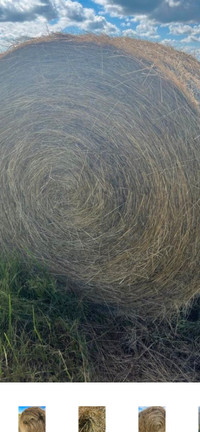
[92, 419]
[32, 420]
[152, 420]
[100, 167]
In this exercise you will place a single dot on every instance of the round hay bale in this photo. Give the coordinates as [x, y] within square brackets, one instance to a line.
[100, 166]
[92, 419]
[32, 420]
[152, 420]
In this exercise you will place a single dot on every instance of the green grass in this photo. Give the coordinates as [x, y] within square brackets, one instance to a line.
[50, 334]
[40, 326]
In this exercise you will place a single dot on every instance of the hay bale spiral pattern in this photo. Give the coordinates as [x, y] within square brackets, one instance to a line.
[99, 169]
[152, 420]
[32, 420]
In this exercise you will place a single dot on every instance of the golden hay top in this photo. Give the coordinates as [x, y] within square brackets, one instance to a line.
[32, 420]
[92, 419]
[152, 420]
[99, 166]
[179, 66]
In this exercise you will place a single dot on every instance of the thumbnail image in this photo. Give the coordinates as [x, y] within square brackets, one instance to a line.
[32, 419]
[92, 419]
[152, 419]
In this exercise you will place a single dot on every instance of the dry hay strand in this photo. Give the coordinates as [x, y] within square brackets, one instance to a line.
[92, 419]
[142, 350]
[32, 420]
[152, 420]
[100, 167]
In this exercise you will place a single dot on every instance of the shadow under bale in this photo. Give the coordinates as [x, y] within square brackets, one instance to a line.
[100, 167]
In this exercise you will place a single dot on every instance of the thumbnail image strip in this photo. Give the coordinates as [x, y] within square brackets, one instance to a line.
[92, 419]
[32, 419]
[152, 419]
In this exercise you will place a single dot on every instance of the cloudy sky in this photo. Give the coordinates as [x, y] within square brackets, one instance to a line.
[174, 22]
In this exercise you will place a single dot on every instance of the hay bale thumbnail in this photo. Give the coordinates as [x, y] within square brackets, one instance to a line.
[92, 419]
[152, 420]
[32, 420]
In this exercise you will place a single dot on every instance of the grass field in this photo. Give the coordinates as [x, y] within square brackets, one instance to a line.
[48, 333]
[40, 339]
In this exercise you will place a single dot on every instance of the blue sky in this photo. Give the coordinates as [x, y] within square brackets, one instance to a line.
[142, 408]
[171, 22]
[22, 408]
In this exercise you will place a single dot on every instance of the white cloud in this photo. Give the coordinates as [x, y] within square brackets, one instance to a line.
[145, 29]
[100, 2]
[173, 3]
[163, 11]
[99, 24]
[72, 13]
[125, 24]
[192, 33]
[72, 9]
[20, 5]
[196, 29]
[170, 42]
[190, 39]
[114, 10]
[68, 13]
[129, 33]
[138, 18]
[26, 10]
[179, 29]
[10, 31]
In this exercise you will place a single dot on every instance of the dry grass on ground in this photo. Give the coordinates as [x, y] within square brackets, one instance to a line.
[49, 333]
